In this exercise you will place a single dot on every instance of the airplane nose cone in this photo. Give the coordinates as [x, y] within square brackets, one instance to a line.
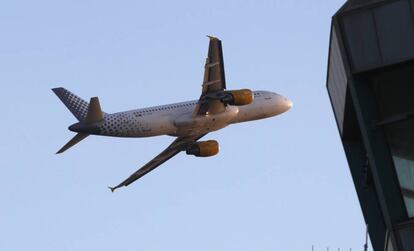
[284, 104]
[288, 103]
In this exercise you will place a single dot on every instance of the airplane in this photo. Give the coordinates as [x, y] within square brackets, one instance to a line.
[188, 121]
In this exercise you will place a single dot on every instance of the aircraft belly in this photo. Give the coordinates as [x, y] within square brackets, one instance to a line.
[187, 124]
[160, 125]
[254, 111]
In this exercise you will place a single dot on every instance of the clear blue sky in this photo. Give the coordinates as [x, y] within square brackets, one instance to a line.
[277, 184]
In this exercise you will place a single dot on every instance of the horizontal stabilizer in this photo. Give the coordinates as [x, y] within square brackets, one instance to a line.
[78, 137]
[95, 113]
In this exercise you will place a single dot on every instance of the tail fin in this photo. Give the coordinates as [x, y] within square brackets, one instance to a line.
[78, 137]
[87, 114]
[77, 106]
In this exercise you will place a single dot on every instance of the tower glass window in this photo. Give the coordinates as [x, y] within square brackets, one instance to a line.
[394, 91]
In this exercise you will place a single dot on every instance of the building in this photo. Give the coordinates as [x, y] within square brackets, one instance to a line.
[370, 82]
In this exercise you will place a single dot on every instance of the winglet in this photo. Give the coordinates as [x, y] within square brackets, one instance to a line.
[114, 188]
[212, 37]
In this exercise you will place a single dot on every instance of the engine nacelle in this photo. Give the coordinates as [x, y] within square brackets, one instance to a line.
[204, 148]
[239, 97]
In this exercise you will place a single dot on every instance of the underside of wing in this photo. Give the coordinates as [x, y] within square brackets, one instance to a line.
[214, 78]
[178, 145]
[214, 82]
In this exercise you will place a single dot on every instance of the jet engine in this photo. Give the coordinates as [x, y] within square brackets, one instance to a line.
[204, 148]
[239, 97]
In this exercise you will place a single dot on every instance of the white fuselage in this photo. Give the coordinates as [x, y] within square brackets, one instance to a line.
[178, 120]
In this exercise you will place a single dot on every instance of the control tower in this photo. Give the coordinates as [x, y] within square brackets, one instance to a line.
[370, 82]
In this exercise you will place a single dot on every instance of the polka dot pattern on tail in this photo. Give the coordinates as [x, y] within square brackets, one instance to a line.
[77, 106]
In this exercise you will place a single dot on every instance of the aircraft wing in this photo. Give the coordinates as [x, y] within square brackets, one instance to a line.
[178, 145]
[214, 81]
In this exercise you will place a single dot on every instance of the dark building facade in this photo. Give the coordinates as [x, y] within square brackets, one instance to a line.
[370, 82]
